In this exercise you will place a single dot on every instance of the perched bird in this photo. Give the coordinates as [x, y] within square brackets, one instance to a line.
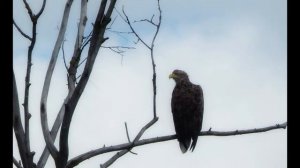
[187, 108]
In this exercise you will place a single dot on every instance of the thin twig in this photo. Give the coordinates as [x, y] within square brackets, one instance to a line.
[128, 138]
[152, 59]
[147, 20]
[41, 10]
[119, 13]
[78, 159]
[109, 27]
[82, 62]
[120, 32]
[123, 152]
[127, 132]
[22, 33]
[87, 39]
[151, 48]
[118, 47]
[133, 30]
[64, 58]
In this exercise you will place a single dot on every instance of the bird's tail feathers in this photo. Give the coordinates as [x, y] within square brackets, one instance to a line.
[184, 145]
[194, 144]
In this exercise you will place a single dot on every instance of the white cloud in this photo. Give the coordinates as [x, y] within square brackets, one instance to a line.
[239, 61]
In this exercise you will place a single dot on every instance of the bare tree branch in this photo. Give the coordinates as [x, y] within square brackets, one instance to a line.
[49, 141]
[123, 152]
[152, 59]
[17, 125]
[81, 62]
[133, 31]
[41, 10]
[22, 33]
[118, 49]
[29, 155]
[127, 134]
[97, 39]
[26, 95]
[27, 115]
[78, 159]
[63, 52]
[111, 23]
[128, 138]
[77, 48]
[147, 20]
[44, 157]
[151, 48]
[28, 9]
[18, 165]
[119, 32]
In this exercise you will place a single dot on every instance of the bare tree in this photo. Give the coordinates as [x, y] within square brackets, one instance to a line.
[76, 86]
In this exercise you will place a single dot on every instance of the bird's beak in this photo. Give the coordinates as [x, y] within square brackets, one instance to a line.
[172, 76]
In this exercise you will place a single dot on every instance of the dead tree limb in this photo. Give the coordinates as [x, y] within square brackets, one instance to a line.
[48, 139]
[102, 20]
[34, 18]
[17, 125]
[78, 159]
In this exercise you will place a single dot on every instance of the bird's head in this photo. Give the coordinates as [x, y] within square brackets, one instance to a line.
[179, 75]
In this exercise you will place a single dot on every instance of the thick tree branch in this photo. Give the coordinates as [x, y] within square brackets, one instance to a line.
[22, 33]
[77, 47]
[97, 39]
[49, 141]
[57, 123]
[17, 125]
[75, 161]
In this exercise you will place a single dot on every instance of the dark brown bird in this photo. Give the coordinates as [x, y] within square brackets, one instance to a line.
[187, 108]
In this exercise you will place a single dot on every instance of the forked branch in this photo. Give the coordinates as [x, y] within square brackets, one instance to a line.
[123, 152]
[48, 139]
[34, 18]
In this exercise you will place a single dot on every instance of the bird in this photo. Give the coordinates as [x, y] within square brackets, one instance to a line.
[187, 105]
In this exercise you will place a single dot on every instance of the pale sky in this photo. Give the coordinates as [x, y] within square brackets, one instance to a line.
[235, 49]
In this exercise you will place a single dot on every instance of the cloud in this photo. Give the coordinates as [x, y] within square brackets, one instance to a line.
[236, 51]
